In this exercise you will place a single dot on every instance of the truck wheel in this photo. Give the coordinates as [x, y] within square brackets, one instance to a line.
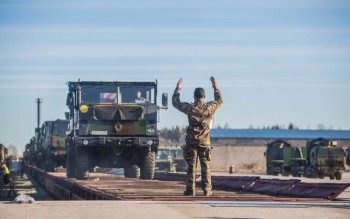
[132, 171]
[331, 176]
[82, 163]
[321, 175]
[269, 171]
[308, 172]
[338, 175]
[285, 172]
[147, 163]
[70, 160]
[294, 172]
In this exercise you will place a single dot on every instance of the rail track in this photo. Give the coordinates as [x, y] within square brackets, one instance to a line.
[169, 187]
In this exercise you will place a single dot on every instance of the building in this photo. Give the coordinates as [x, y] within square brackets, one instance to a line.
[244, 148]
[260, 137]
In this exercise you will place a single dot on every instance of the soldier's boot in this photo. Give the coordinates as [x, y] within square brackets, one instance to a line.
[208, 193]
[189, 193]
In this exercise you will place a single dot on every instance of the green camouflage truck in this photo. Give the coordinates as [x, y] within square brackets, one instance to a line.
[324, 158]
[112, 125]
[29, 154]
[51, 148]
[278, 155]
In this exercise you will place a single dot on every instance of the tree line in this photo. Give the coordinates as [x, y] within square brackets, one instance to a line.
[172, 135]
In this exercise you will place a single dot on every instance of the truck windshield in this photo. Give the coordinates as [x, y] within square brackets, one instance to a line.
[114, 93]
[61, 127]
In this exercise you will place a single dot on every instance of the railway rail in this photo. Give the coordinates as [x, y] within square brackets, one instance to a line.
[169, 187]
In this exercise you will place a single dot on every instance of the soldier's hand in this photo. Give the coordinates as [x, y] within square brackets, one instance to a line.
[179, 84]
[213, 82]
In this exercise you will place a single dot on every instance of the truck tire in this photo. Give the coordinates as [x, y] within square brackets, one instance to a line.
[132, 171]
[338, 175]
[321, 175]
[331, 176]
[147, 163]
[269, 171]
[82, 163]
[70, 159]
[285, 171]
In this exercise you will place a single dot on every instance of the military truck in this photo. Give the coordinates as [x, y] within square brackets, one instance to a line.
[109, 127]
[278, 155]
[324, 158]
[170, 159]
[164, 160]
[51, 146]
[179, 160]
[30, 155]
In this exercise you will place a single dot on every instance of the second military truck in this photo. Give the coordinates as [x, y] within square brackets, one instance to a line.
[112, 125]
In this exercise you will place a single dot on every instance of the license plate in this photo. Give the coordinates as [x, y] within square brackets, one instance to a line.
[99, 132]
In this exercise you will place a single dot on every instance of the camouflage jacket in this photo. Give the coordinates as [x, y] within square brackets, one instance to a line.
[199, 116]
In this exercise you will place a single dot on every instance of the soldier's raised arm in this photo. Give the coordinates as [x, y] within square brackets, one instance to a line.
[217, 93]
[183, 107]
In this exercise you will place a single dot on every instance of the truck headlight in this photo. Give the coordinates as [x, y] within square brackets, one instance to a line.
[151, 131]
[84, 108]
[150, 142]
[85, 142]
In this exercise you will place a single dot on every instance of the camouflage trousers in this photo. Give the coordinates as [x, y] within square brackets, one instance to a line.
[192, 154]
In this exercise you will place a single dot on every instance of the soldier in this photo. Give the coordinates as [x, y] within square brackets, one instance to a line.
[197, 145]
[139, 98]
[5, 173]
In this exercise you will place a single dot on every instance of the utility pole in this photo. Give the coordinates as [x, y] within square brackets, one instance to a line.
[38, 101]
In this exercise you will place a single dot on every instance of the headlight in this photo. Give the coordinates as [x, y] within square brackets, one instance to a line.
[85, 142]
[149, 142]
[84, 108]
[150, 131]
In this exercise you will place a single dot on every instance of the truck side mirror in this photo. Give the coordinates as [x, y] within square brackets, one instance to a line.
[66, 114]
[165, 99]
[70, 101]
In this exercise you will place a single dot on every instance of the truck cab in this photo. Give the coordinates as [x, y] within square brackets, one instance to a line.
[113, 125]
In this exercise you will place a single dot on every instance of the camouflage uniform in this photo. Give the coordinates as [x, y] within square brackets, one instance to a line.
[198, 136]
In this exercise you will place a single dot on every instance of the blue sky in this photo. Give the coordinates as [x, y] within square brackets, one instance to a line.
[276, 62]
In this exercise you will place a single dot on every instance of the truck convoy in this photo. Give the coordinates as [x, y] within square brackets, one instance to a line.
[321, 157]
[46, 149]
[51, 150]
[112, 126]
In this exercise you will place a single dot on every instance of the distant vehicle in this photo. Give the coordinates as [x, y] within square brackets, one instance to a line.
[324, 158]
[164, 160]
[278, 157]
[321, 157]
[51, 148]
[348, 156]
[111, 128]
[171, 159]
[30, 152]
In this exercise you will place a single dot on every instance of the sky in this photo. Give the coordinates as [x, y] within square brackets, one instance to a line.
[276, 62]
